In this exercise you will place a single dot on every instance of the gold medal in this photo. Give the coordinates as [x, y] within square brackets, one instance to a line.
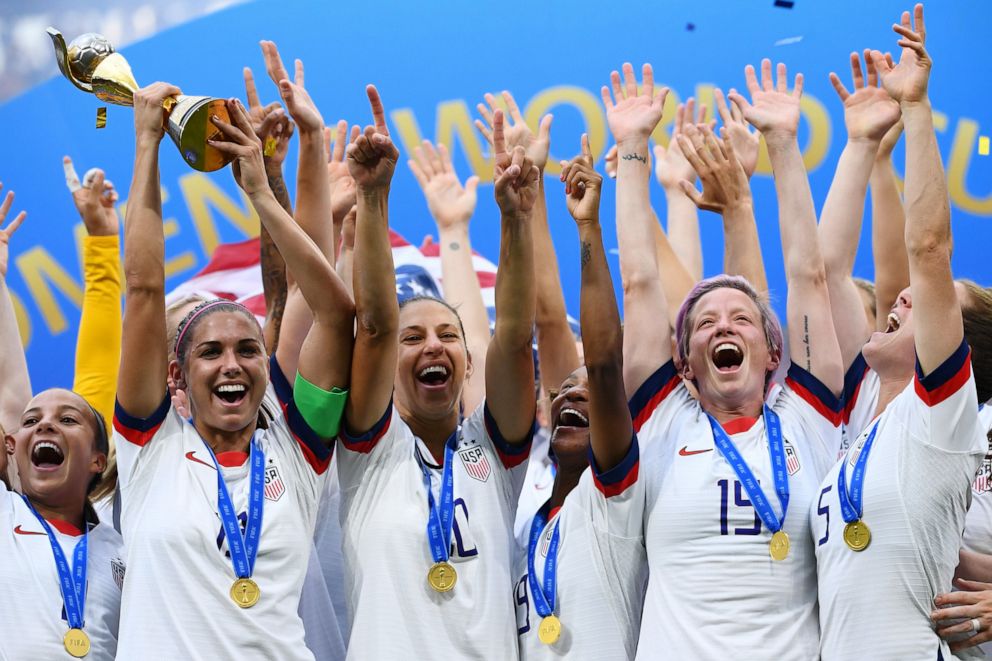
[77, 643]
[778, 548]
[857, 535]
[442, 576]
[245, 592]
[549, 631]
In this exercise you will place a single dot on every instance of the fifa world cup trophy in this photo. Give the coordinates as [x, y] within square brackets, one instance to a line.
[91, 64]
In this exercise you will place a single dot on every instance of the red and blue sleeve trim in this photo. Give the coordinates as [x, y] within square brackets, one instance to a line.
[852, 384]
[813, 392]
[615, 481]
[653, 392]
[140, 430]
[315, 450]
[511, 454]
[364, 443]
[947, 379]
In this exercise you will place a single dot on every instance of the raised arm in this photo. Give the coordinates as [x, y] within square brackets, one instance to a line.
[937, 323]
[15, 384]
[888, 229]
[556, 352]
[632, 116]
[142, 377]
[775, 112]
[452, 206]
[610, 427]
[868, 114]
[325, 359]
[510, 363]
[98, 342]
[339, 179]
[371, 161]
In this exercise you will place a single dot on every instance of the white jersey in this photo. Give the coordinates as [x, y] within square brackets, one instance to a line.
[978, 523]
[176, 545]
[714, 591]
[32, 619]
[876, 604]
[860, 401]
[602, 569]
[537, 486]
[394, 612]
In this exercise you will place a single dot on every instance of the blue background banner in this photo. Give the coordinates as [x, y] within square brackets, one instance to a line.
[432, 63]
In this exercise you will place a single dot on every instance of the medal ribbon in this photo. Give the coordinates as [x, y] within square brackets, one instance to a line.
[244, 548]
[544, 597]
[776, 450]
[72, 581]
[441, 515]
[851, 503]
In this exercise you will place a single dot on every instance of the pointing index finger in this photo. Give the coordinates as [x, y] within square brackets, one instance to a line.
[499, 141]
[378, 112]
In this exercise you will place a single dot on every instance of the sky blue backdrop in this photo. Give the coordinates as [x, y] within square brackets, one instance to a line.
[423, 55]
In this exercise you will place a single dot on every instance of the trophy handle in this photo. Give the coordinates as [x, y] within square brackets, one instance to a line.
[62, 58]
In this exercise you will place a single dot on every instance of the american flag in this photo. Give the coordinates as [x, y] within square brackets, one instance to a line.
[476, 463]
[791, 459]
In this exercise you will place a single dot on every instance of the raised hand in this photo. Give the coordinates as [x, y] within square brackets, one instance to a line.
[270, 124]
[242, 143]
[610, 162]
[372, 156]
[745, 141]
[671, 166]
[94, 198]
[516, 131]
[725, 183]
[907, 81]
[869, 112]
[449, 202]
[298, 102]
[516, 177]
[582, 186]
[631, 114]
[773, 110]
[342, 185]
[149, 115]
[8, 231]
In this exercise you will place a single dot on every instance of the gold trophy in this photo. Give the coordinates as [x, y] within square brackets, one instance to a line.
[91, 64]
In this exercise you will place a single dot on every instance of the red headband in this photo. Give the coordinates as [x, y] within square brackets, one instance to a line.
[196, 313]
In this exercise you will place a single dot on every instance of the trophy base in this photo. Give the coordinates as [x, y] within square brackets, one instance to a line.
[190, 127]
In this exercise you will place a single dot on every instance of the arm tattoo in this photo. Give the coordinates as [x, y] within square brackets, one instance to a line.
[278, 186]
[635, 157]
[454, 245]
[273, 286]
[809, 360]
[586, 253]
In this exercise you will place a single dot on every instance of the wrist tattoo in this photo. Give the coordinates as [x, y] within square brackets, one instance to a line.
[586, 253]
[454, 245]
[635, 157]
[278, 186]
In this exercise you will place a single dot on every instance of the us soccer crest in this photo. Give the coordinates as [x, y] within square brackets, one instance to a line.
[274, 487]
[983, 478]
[791, 459]
[476, 463]
[117, 569]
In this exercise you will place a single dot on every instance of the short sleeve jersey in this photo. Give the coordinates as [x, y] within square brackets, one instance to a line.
[601, 569]
[394, 612]
[860, 401]
[919, 473]
[714, 591]
[32, 618]
[177, 548]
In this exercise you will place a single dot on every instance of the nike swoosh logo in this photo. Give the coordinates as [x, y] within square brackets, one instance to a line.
[20, 531]
[189, 455]
[686, 452]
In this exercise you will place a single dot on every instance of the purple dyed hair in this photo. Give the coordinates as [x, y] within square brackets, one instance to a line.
[769, 322]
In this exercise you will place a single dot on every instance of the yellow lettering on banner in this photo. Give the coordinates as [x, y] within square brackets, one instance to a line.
[588, 105]
[405, 126]
[818, 142]
[38, 269]
[23, 319]
[201, 194]
[453, 124]
[957, 170]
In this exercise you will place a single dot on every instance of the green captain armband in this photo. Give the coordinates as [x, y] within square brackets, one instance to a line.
[321, 409]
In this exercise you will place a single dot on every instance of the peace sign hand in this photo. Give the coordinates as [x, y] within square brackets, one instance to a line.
[515, 175]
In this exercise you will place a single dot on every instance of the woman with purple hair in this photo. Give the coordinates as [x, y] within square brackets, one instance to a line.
[730, 475]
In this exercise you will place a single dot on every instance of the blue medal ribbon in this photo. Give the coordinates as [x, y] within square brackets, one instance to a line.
[243, 548]
[776, 450]
[851, 502]
[72, 581]
[440, 517]
[544, 596]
